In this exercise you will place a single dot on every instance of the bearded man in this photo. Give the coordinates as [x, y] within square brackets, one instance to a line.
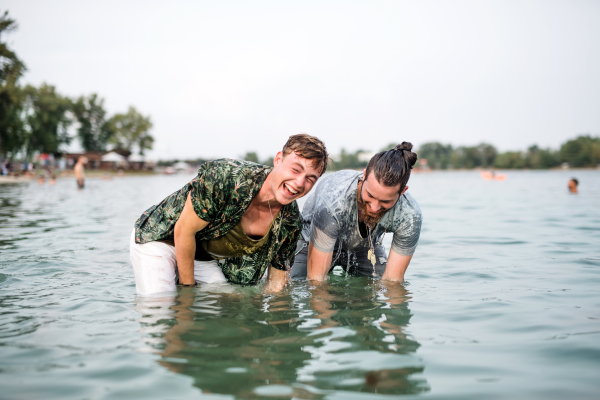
[348, 214]
[231, 223]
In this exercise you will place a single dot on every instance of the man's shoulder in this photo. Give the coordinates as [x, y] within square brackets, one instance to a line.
[230, 164]
[343, 175]
[337, 183]
[408, 206]
[229, 171]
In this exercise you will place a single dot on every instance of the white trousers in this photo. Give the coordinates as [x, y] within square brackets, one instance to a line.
[155, 266]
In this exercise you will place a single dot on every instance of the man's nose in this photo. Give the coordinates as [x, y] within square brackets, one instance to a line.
[375, 206]
[300, 181]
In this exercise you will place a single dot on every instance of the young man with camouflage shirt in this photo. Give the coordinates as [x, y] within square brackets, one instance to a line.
[234, 220]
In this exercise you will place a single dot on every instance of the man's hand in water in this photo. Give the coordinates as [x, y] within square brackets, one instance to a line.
[276, 280]
[185, 241]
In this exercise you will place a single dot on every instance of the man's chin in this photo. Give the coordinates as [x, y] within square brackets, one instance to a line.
[285, 200]
[372, 219]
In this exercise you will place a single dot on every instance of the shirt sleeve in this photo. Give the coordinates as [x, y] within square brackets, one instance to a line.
[325, 228]
[406, 237]
[207, 192]
[321, 241]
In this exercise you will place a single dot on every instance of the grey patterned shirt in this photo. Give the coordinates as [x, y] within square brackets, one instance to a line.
[330, 217]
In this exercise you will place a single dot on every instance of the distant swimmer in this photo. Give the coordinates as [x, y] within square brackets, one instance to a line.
[231, 223]
[572, 185]
[348, 214]
[80, 171]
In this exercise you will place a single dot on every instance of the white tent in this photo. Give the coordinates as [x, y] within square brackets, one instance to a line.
[114, 157]
[136, 158]
[182, 166]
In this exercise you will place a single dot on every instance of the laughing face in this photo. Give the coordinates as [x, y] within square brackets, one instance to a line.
[292, 177]
[375, 199]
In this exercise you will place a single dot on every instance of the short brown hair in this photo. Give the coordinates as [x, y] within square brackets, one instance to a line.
[393, 167]
[308, 147]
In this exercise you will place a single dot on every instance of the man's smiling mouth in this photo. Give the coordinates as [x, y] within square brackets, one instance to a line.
[290, 189]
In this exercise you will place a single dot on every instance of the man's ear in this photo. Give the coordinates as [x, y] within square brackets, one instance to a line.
[278, 159]
[404, 190]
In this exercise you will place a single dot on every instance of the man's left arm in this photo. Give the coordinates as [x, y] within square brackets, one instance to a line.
[396, 267]
[276, 280]
[404, 243]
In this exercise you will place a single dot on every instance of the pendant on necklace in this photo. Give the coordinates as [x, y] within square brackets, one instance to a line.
[371, 256]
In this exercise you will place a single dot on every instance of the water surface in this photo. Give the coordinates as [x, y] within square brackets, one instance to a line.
[501, 301]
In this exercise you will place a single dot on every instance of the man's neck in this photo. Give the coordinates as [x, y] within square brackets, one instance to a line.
[266, 198]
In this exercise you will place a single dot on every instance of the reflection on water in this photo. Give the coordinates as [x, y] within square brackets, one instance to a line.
[305, 342]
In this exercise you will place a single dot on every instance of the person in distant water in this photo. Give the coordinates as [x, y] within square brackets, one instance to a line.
[573, 183]
[80, 171]
[348, 214]
[231, 223]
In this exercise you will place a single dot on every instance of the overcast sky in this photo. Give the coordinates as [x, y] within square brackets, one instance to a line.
[220, 78]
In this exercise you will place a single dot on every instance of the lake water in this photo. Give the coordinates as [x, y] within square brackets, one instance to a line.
[501, 302]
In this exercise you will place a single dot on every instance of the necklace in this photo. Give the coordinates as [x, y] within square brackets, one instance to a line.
[371, 252]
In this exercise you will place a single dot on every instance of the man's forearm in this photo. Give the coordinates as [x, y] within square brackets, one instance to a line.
[185, 250]
[276, 280]
[396, 267]
[185, 241]
[318, 264]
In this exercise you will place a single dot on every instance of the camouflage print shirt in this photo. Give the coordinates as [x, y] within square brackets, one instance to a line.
[220, 194]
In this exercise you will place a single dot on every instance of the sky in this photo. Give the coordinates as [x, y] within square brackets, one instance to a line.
[220, 78]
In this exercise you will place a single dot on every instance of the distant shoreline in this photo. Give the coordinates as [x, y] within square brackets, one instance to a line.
[89, 174]
[99, 174]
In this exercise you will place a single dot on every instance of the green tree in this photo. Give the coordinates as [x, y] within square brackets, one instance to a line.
[93, 131]
[11, 96]
[47, 119]
[548, 159]
[251, 156]
[510, 160]
[537, 158]
[482, 155]
[487, 154]
[128, 130]
[349, 161]
[583, 151]
[436, 154]
[268, 161]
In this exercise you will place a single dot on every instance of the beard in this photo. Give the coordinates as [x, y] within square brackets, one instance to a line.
[368, 218]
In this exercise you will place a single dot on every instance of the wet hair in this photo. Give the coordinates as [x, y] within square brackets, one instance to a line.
[576, 181]
[392, 167]
[308, 147]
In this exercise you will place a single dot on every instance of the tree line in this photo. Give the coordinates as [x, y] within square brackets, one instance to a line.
[580, 152]
[39, 119]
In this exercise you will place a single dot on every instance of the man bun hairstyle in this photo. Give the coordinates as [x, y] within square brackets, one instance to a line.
[392, 167]
[308, 147]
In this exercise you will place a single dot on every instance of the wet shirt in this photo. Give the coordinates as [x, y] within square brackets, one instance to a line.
[220, 194]
[234, 243]
[330, 217]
